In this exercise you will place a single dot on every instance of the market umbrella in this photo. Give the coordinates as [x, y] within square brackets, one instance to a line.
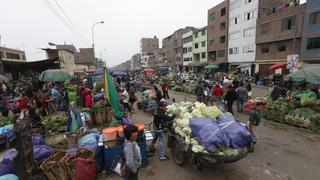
[98, 72]
[119, 73]
[149, 70]
[54, 75]
[211, 66]
[242, 66]
[3, 79]
[307, 74]
[277, 66]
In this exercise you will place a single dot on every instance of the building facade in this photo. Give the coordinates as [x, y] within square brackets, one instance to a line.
[310, 44]
[148, 45]
[243, 16]
[12, 54]
[187, 39]
[218, 33]
[159, 55]
[136, 62]
[199, 46]
[278, 35]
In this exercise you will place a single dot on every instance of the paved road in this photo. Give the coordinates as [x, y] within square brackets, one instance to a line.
[282, 153]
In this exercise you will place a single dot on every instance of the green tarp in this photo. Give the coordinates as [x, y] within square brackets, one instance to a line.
[307, 74]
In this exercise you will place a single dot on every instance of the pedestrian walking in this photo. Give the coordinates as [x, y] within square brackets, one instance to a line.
[125, 99]
[132, 153]
[159, 124]
[229, 98]
[157, 93]
[249, 89]
[254, 119]
[164, 88]
[242, 95]
[218, 93]
[199, 92]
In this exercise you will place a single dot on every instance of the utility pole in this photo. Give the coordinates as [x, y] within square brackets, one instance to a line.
[1, 54]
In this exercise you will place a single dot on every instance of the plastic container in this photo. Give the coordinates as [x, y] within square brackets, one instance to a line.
[110, 134]
[120, 131]
[140, 129]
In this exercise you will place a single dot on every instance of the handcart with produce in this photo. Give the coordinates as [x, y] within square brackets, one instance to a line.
[206, 136]
[148, 102]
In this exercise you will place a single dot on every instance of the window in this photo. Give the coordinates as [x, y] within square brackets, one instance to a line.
[265, 29]
[187, 39]
[211, 42]
[234, 50]
[222, 39]
[265, 50]
[234, 20]
[288, 23]
[196, 35]
[196, 46]
[187, 59]
[212, 16]
[281, 47]
[13, 56]
[203, 44]
[221, 53]
[248, 48]
[212, 55]
[203, 55]
[235, 5]
[314, 18]
[249, 31]
[313, 43]
[248, 1]
[190, 49]
[234, 35]
[222, 25]
[223, 12]
[203, 32]
[1, 54]
[185, 50]
[249, 15]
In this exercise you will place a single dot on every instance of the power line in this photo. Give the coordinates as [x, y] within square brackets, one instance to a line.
[58, 15]
[67, 17]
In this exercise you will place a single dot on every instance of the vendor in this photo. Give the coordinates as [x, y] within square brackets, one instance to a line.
[159, 123]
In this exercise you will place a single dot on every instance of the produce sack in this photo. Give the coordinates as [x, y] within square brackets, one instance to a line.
[6, 167]
[89, 141]
[126, 121]
[9, 177]
[85, 169]
[11, 154]
[238, 134]
[208, 133]
[37, 139]
[42, 152]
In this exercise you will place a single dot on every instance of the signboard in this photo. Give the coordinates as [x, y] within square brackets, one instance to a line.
[292, 61]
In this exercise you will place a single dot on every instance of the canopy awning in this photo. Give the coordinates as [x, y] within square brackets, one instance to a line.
[277, 66]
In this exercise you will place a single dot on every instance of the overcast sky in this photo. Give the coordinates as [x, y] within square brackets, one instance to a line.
[29, 24]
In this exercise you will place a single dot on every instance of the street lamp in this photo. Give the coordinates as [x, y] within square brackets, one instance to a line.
[100, 22]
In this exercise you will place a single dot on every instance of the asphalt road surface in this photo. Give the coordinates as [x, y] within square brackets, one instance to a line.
[281, 153]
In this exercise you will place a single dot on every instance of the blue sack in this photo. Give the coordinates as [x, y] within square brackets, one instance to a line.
[11, 154]
[9, 177]
[37, 139]
[89, 141]
[6, 167]
[208, 133]
[42, 152]
[238, 134]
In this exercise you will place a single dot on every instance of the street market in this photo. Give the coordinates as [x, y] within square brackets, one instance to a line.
[92, 122]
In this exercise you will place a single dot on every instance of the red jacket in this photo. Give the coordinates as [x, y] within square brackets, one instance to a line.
[89, 101]
[218, 91]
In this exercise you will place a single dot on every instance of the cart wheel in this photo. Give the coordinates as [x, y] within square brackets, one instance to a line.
[177, 153]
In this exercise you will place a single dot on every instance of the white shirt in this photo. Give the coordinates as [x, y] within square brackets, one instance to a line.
[126, 96]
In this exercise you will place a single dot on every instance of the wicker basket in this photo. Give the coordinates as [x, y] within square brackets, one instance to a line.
[52, 167]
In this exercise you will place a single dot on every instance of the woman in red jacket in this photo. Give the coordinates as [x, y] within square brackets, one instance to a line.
[218, 93]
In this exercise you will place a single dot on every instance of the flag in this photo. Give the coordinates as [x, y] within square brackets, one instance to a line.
[111, 94]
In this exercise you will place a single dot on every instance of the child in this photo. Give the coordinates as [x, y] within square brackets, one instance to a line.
[254, 119]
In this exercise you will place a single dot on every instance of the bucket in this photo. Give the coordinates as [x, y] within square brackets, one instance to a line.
[140, 129]
[120, 131]
[110, 134]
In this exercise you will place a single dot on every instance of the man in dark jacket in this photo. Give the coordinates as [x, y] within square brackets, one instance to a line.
[229, 98]
[159, 123]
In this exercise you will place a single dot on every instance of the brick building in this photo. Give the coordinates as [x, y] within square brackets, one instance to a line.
[12, 54]
[278, 35]
[148, 45]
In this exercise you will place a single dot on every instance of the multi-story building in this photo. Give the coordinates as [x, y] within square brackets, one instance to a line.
[187, 39]
[12, 54]
[172, 45]
[136, 62]
[243, 16]
[310, 46]
[218, 33]
[278, 35]
[148, 45]
[199, 44]
[159, 54]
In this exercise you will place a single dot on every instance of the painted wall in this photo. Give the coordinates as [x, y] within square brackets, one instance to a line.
[67, 61]
[198, 40]
[240, 41]
[188, 46]
[310, 31]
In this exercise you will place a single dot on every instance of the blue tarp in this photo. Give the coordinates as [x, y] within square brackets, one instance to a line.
[208, 133]
[98, 72]
[119, 73]
[238, 134]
